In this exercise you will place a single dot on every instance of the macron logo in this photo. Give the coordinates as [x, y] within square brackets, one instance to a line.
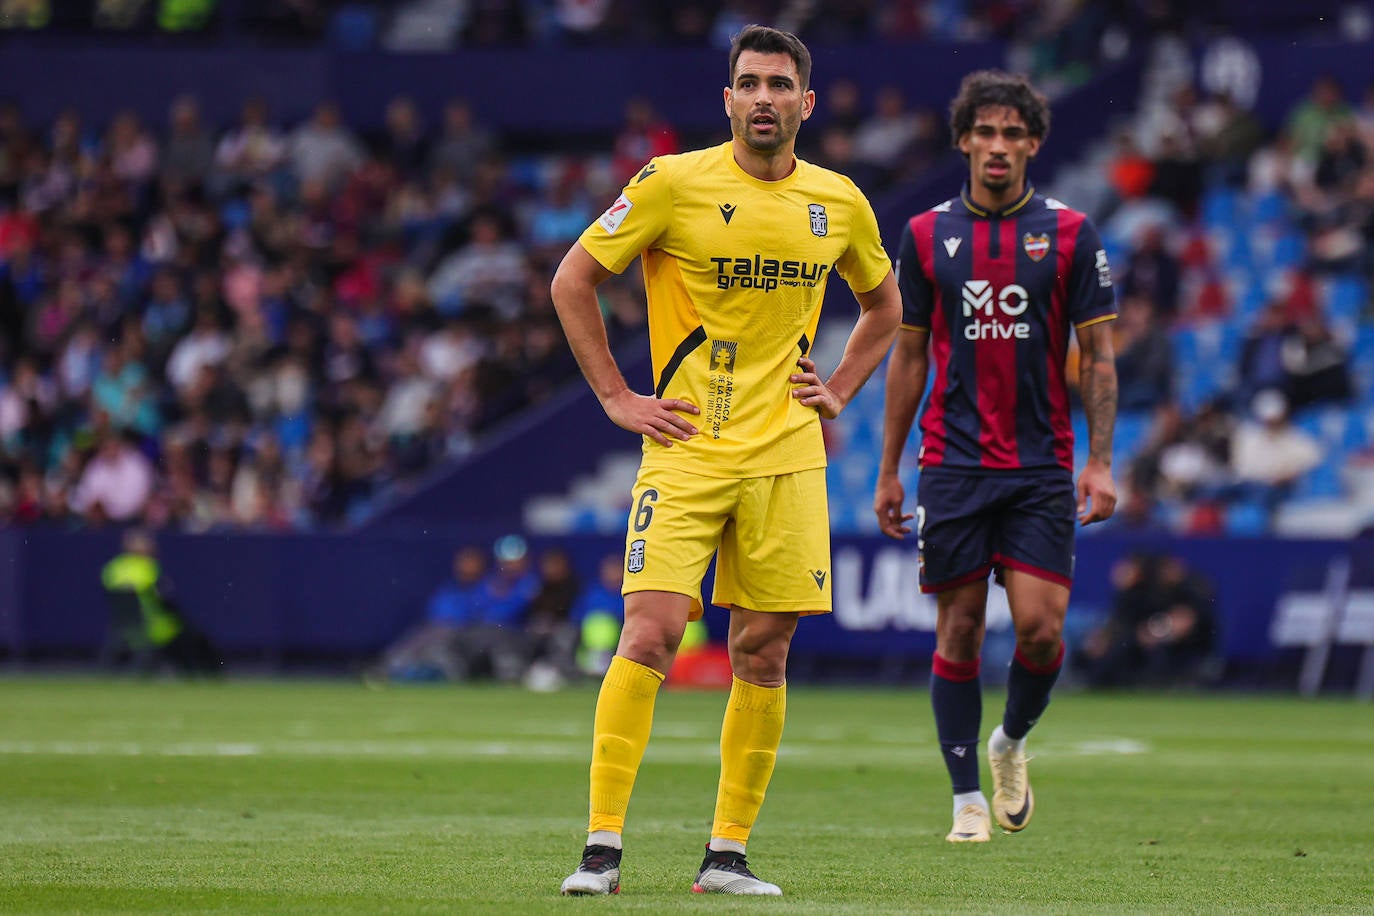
[977, 295]
[952, 245]
[612, 218]
[959, 751]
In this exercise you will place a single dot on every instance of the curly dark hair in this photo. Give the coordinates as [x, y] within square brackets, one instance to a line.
[998, 88]
[767, 40]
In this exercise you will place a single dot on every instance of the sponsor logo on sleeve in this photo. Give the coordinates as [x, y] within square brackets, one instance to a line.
[1104, 270]
[613, 217]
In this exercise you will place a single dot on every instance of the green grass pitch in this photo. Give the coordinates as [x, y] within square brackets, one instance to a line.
[320, 797]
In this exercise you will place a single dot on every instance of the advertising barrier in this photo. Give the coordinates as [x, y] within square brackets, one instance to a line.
[1300, 609]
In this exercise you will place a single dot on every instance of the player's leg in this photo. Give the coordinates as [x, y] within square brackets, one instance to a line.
[1036, 555]
[749, 739]
[654, 623]
[773, 566]
[956, 695]
[668, 547]
[955, 547]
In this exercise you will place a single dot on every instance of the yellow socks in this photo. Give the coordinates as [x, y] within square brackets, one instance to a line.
[748, 750]
[624, 716]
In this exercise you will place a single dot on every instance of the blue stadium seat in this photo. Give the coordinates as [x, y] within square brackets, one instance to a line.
[1322, 482]
[1221, 207]
[1270, 207]
[1345, 298]
[1289, 250]
[353, 28]
[1131, 429]
[1246, 519]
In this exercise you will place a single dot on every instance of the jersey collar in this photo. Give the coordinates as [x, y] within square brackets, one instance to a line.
[1005, 211]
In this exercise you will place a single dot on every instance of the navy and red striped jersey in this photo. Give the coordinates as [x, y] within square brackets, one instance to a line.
[999, 293]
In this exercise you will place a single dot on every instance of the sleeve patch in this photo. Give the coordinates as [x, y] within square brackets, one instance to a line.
[615, 215]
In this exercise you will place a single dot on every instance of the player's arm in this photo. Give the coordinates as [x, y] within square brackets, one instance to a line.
[1097, 387]
[906, 385]
[574, 299]
[881, 310]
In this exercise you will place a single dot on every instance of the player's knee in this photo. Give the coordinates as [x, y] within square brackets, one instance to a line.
[651, 646]
[1040, 639]
[961, 632]
[760, 661]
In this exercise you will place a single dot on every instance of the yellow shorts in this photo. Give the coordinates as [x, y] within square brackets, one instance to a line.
[771, 536]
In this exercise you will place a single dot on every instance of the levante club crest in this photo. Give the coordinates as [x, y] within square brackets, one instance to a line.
[1037, 246]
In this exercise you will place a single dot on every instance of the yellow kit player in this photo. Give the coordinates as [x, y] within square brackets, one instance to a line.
[737, 244]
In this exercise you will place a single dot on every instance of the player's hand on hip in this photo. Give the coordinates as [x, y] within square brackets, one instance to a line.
[813, 392]
[657, 418]
[887, 503]
[1096, 493]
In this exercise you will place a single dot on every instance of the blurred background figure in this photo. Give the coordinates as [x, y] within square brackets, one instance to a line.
[147, 630]
[428, 651]
[1161, 631]
[599, 614]
[549, 623]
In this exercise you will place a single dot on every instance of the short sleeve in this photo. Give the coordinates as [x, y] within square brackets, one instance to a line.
[635, 222]
[864, 263]
[917, 293]
[1091, 297]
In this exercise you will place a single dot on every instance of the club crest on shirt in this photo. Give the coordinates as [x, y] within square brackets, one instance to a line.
[635, 558]
[820, 223]
[1036, 246]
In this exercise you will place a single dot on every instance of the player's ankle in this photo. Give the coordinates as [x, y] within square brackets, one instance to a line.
[604, 838]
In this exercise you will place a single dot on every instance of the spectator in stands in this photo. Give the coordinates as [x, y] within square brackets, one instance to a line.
[1269, 454]
[1153, 273]
[884, 139]
[1161, 630]
[251, 151]
[1310, 121]
[404, 142]
[116, 483]
[1144, 356]
[1184, 457]
[1261, 356]
[462, 142]
[1229, 137]
[644, 135]
[490, 269]
[1317, 365]
[130, 150]
[189, 152]
[322, 150]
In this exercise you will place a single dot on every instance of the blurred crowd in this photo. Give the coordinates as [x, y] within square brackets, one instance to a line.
[1312, 182]
[272, 328]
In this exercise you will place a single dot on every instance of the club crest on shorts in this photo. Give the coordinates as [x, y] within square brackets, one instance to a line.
[1036, 246]
[820, 223]
[634, 561]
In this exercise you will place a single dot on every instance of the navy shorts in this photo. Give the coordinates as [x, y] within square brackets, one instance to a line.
[973, 523]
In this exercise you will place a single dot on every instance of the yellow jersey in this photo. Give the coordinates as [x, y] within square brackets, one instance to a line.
[735, 270]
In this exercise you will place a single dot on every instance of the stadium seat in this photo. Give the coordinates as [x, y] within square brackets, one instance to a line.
[1246, 519]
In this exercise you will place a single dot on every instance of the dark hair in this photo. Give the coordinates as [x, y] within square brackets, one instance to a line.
[997, 88]
[767, 40]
